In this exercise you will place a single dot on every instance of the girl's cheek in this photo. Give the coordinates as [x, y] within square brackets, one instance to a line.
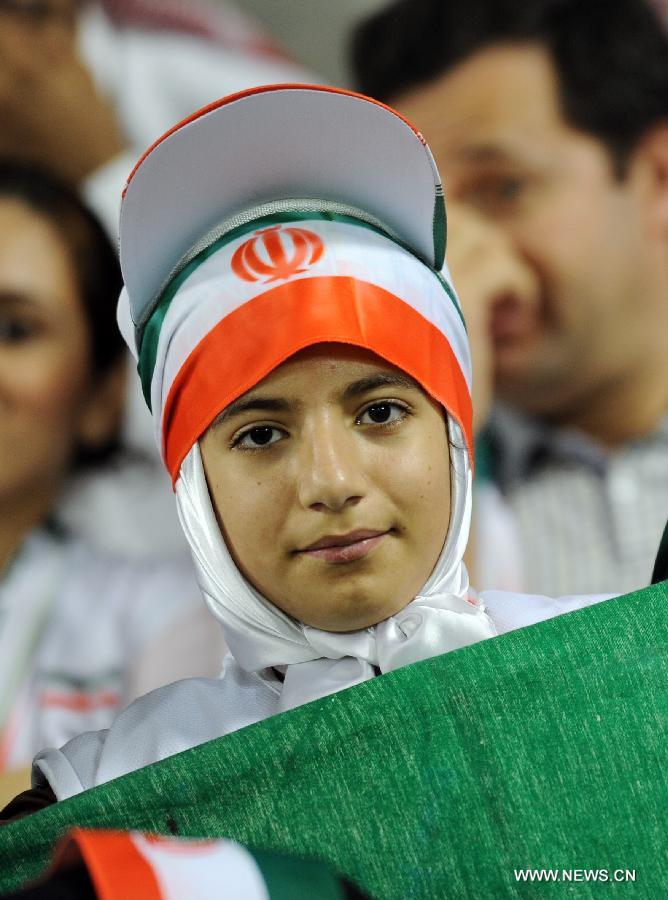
[248, 506]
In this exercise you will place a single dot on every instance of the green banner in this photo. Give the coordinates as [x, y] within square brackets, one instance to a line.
[544, 749]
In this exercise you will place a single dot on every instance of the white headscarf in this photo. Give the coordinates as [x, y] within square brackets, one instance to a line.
[195, 343]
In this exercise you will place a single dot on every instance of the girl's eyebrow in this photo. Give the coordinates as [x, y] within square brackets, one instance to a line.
[382, 379]
[258, 404]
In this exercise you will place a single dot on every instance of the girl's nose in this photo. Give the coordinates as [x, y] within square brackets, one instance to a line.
[330, 468]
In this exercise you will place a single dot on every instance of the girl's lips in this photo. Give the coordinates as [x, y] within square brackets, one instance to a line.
[356, 548]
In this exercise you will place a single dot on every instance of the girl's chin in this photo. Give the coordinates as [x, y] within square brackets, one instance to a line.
[357, 621]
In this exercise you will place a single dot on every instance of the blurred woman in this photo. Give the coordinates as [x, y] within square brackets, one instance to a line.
[80, 634]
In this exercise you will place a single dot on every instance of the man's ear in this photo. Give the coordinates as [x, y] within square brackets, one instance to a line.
[653, 153]
[102, 412]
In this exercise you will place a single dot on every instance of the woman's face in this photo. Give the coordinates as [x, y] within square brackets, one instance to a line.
[331, 483]
[44, 355]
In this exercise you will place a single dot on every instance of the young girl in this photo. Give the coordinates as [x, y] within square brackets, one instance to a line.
[305, 358]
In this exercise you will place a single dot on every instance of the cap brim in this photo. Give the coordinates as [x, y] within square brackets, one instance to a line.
[273, 143]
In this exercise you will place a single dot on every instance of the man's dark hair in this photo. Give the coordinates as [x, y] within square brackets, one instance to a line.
[611, 56]
[94, 264]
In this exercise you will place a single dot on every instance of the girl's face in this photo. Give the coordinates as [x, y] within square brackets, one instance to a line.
[46, 404]
[331, 483]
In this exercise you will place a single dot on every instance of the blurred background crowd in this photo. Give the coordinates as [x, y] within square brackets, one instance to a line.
[549, 123]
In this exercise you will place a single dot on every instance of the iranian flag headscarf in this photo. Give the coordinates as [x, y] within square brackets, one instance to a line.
[268, 222]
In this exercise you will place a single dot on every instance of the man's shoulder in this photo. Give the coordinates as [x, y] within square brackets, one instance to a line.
[508, 444]
[514, 446]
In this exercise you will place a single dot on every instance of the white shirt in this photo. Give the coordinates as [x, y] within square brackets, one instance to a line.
[83, 634]
[567, 515]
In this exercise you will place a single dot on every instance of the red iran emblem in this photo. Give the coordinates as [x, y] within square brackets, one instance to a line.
[275, 253]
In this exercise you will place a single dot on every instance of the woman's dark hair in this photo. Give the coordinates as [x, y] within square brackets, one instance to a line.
[611, 56]
[94, 263]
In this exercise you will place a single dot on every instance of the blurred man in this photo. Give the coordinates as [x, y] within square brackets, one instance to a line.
[549, 121]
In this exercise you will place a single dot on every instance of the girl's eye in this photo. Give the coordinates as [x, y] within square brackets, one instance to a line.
[259, 436]
[383, 413]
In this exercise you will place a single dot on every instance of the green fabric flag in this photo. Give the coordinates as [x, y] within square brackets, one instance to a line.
[541, 749]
